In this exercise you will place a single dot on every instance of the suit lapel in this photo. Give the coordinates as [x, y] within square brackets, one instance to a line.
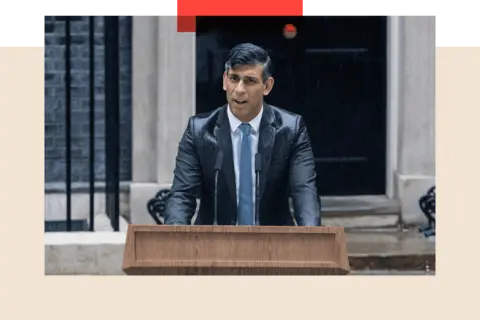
[224, 140]
[265, 143]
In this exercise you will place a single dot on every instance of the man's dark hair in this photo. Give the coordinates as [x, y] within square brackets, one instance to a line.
[250, 54]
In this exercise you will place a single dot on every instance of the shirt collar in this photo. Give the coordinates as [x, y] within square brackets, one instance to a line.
[235, 122]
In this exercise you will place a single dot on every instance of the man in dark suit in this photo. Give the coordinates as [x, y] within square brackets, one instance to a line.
[239, 129]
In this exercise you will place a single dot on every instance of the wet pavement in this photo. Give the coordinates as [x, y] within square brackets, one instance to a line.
[390, 252]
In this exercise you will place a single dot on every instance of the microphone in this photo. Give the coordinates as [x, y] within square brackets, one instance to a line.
[258, 169]
[217, 168]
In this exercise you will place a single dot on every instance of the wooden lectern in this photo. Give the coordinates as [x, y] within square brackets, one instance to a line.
[235, 250]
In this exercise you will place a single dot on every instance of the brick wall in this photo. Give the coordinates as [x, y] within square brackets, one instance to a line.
[55, 99]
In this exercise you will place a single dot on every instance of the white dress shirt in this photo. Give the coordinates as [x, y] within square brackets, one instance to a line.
[236, 135]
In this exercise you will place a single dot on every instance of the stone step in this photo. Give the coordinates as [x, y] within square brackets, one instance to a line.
[365, 222]
[352, 212]
[102, 224]
[370, 205]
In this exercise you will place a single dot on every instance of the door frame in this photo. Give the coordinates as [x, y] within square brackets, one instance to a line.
[394, 80]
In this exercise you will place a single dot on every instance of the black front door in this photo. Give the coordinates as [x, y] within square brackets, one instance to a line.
[333, 72]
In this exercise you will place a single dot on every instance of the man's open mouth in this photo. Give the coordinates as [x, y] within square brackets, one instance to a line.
[240, 101]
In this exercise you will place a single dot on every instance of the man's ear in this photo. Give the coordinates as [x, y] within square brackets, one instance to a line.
[268, 86]
[224, 81]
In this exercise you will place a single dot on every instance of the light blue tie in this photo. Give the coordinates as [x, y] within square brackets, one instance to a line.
[245, 203]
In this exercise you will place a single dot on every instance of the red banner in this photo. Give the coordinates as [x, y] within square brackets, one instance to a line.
[192, 8]
[187, 10]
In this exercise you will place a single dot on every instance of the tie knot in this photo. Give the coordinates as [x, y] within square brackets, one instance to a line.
[245, 128]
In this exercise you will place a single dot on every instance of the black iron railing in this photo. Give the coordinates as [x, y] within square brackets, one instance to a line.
[91, 159]
[428, 207]
[112, 123]
[156, 206]
[112, 120]
[68, 123]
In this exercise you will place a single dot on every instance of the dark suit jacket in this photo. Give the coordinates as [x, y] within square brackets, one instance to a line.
[288, 169]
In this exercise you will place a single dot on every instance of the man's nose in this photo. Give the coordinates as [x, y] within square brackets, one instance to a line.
[240, 87]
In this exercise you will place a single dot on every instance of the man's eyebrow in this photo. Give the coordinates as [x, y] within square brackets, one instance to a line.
[248, 77]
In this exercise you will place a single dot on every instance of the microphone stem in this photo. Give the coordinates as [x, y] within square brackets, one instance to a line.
[215, 199]
[257, 193]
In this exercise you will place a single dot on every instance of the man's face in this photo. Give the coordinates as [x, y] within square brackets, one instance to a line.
[245, 89]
